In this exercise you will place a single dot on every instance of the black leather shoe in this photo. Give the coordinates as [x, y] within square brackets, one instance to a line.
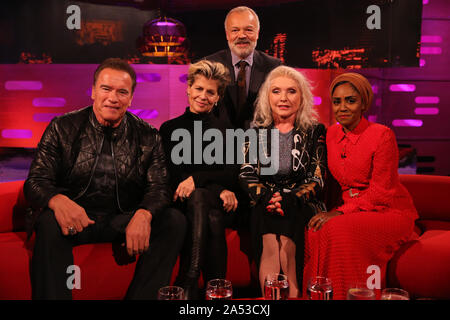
[191, 290]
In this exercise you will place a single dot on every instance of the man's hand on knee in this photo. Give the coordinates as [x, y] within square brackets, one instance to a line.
[138, 232]
[70, 216]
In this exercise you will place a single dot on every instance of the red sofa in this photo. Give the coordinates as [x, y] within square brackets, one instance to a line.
[109, 283]
[421, 266]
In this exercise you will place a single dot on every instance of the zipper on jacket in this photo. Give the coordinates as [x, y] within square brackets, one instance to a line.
[115, 176]
[92, 171]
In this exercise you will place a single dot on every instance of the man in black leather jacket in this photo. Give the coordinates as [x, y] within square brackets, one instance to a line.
[100, 175]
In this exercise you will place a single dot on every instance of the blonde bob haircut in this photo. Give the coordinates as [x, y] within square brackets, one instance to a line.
[306, 115]
[211, 71]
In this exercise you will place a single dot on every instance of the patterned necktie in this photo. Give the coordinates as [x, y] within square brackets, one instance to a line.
[242, 86]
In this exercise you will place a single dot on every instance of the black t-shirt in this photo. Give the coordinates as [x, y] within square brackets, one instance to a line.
[100, 197]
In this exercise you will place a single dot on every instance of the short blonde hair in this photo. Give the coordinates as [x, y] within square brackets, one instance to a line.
[210, 70]
[306, 115]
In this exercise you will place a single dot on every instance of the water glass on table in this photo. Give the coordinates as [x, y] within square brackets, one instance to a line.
[219, 289]
[276, 287]
[360, 291]
[394, 294]
[319, 288]
[171, 293]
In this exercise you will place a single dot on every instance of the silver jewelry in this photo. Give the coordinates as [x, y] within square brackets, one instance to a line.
[352, 195]
[71, 230]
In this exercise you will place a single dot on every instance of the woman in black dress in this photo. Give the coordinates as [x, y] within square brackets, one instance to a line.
[202, 185]
[284, 202]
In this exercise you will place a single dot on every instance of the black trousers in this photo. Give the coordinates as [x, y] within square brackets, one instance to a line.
[53, 254]
[205, 247]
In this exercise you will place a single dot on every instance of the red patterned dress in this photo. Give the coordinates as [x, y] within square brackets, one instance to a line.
[378, 212]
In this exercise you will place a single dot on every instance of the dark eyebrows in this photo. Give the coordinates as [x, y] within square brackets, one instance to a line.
[121, 90]
[347, 97]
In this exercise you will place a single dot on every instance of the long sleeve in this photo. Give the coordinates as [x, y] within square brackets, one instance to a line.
[41, 184]
[177, 174]
[316, 171]
[157, 193]
[249, 176]
[384, 178]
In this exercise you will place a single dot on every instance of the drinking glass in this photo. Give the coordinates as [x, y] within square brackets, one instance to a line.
[394, 294]
[360, 291]
[276, 287]
[319, 288]
[171, 293]
[219, 289]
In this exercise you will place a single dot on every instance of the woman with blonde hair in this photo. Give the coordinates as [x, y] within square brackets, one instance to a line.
[204, 192]
[283, 203]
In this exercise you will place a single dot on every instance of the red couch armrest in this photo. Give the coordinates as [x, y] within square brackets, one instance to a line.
[430, 195]
[12, 206]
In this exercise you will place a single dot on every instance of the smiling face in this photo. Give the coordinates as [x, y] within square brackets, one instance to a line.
[242, 33]
[202, 94]
[112, 95]
[285, 98]
[347, 106]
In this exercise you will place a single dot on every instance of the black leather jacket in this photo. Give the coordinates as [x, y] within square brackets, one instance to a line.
[68, 153]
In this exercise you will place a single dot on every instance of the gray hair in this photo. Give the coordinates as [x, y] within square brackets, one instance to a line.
[242, 9]
[306, 115]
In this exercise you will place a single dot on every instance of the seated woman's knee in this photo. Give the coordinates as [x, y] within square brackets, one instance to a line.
[200, 194]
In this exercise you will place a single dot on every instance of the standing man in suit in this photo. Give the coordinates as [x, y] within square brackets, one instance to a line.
[248, 67]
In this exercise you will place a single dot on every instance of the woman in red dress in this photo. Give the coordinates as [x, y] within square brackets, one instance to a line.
[376, 214]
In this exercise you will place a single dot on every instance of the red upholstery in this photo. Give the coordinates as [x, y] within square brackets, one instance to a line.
[430, 194]
[420, 266]
[101, 276]
[14, 266]
[12, 201]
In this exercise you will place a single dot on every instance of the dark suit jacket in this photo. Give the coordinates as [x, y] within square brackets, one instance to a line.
[228, 108]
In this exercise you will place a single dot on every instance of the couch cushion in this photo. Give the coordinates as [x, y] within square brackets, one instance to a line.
[14, 266]
[101, 277]
[426, 225]
[238, 264]
[422, 266]
[430, 195]
[13, 206]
